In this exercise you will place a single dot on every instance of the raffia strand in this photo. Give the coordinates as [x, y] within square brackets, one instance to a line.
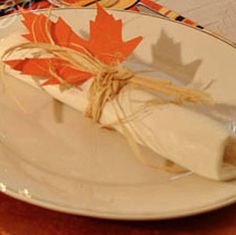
[109, 80]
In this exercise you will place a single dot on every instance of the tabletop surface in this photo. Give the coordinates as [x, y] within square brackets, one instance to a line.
[19, 218]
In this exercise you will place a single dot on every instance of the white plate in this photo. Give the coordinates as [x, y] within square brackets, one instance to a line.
[76, 167]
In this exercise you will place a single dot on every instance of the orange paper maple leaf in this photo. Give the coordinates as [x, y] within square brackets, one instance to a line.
[105, 44]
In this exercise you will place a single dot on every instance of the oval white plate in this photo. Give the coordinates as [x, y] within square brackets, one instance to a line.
[76, 167]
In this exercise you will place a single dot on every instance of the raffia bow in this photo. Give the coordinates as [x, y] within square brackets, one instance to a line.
[109, 80]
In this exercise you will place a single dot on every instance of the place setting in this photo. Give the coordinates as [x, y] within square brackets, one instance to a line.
[116, 114]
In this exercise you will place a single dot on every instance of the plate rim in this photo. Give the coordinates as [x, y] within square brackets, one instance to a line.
[101, 214]
[127, 11]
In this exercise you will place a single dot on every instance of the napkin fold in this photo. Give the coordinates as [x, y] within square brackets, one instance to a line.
[186, 137]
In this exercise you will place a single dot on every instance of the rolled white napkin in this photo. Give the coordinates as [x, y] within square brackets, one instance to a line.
[190, 139]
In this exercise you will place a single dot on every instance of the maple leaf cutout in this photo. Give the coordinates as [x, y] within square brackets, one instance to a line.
[105, 43]
[41, 68]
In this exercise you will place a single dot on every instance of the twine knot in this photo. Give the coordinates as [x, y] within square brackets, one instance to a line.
[104, 88]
